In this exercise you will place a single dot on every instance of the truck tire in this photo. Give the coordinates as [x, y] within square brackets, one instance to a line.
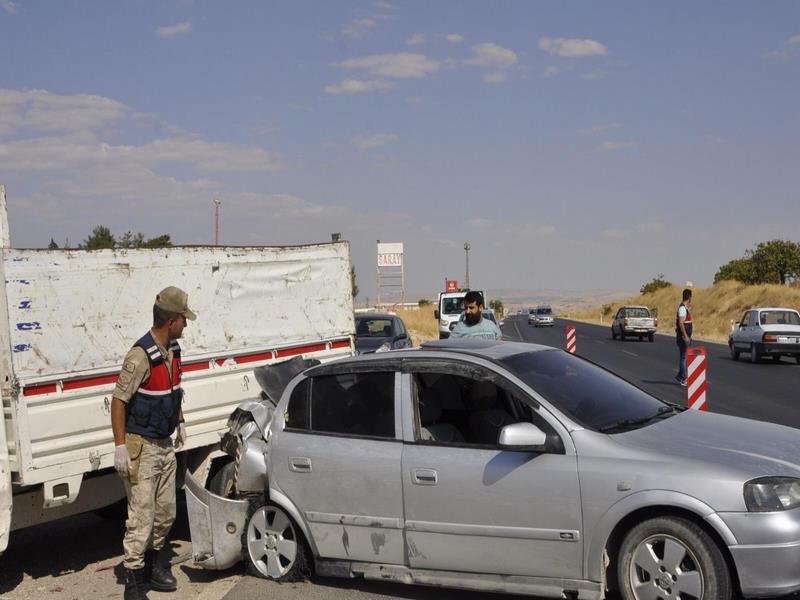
[273, 545]
[755, 355]
[622, 334]
[671, 557]
[651, 337]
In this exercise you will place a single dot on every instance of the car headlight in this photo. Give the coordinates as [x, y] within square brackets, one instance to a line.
[443, 322]
[767, 494]
[384, 347]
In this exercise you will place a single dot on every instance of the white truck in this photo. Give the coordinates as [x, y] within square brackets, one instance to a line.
[68, 317]
[449, 309]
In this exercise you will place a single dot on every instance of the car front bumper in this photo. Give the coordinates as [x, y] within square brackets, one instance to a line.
[767, 555]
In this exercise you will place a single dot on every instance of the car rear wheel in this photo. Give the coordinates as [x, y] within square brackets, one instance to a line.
[755, 355]
[797, 358]
[651, 337]
[622, 335]
[671, 557]
[776, 358]
[273, 545]
[734, 351]
[613, 333]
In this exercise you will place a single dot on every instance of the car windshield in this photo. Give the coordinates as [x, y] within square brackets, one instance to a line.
[637, 312]
[779, 317]
[544, 311]
[453, 306]
[374, 328]
[591, 396]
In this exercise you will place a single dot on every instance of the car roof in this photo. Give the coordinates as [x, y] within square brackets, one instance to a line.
[376, 316]
[634, 306]
[761, 308]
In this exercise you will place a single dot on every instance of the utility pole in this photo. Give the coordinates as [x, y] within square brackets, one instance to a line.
[217, 203]
[466, 249]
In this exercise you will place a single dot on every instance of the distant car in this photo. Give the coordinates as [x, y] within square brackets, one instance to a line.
[542, 316]
[378, 333]
[771, 332]
[531, 316]
[634, 321]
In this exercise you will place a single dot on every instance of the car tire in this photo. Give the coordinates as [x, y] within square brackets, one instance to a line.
[273, 546]
[734, 351]
[651, 337]
[621, 335]
[223, 482]
[797, 358]
[668, 554]
[776, 358]
[613, 334]
[755, 355]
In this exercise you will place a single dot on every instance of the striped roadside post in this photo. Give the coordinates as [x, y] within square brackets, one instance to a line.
[572, 338]
[696, 383]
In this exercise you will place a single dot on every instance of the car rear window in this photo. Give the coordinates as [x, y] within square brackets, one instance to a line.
[637, 312]
[591, 396]
[374, 327]
[779, 317]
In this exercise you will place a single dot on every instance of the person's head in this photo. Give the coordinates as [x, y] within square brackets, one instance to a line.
[687, 296]
[473, 307]
[170, 311]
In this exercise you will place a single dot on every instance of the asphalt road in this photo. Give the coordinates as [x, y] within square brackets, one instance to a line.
[767, 391]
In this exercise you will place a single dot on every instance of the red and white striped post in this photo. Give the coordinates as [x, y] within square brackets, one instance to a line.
[696, 382]
[572, 339]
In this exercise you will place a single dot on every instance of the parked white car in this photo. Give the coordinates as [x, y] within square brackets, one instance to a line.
[634, 321]
[771, 332]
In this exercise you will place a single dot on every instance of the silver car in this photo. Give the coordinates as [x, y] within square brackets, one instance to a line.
[771, 332]
[501, 466]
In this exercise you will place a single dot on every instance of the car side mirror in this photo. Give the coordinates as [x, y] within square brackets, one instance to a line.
[436, 314]
[522, 436]
[402, 336]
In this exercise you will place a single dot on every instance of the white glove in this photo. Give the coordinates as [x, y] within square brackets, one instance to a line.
[122, 460]
[180, 435]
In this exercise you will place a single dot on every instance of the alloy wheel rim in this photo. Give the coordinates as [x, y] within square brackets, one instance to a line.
[664, 568]
[271, 542]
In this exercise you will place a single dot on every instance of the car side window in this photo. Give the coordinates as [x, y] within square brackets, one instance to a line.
[400, 329]
[457, 410]
[297, 412]
[620, 314]
[752, 320]
[744, 319]
[357, 404]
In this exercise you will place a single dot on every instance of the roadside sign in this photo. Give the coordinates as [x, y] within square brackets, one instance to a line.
[572, 338]
[452, 285]
[696, 383]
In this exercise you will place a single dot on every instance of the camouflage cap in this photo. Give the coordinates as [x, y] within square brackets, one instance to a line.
[175, 300]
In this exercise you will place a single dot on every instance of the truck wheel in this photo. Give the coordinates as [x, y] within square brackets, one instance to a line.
[223, 482]
[273, 545]
[651, 337]
[755, 355]
[622, 335]
[734, 351]
[671, 557]
[776, 358]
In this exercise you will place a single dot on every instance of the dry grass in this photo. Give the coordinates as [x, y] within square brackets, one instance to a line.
[421, 324]
[712, 308]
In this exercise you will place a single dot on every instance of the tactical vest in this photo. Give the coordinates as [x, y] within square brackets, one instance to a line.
[687, 322]
[154, 409]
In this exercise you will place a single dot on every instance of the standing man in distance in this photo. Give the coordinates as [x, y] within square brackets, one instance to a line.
[145, 411]
[683, 332]
[473, 325]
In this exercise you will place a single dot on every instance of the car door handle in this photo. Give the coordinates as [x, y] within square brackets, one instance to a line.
[425, 477]
[300, 464]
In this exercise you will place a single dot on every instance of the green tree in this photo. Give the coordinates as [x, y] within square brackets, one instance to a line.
[656, 284]
[161, 241]
[353, 284]
[131, 240]
[52, 245]
[423, 303]
[605, 310]
[497, 307]
[739, 269]
[101, 237]
[776, 261]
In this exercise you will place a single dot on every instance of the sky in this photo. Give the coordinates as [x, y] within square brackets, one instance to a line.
[574, 145]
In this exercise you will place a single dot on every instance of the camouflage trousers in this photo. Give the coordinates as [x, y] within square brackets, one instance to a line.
[150, 487]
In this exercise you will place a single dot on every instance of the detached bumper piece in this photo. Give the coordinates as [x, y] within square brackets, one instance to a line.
[216, 525]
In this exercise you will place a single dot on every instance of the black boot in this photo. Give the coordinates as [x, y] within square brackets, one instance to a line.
[160, 577]
[135, 585]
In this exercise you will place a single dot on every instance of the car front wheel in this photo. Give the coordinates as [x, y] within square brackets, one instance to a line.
[613, 334]
[671, 557]
[734, 351]
[274, 547]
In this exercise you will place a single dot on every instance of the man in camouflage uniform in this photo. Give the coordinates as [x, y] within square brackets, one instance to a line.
[145, 411]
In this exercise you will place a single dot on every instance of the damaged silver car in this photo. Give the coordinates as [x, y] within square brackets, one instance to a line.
[500, 466]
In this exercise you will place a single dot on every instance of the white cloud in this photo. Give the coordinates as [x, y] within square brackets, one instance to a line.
[358, 28]
[622, 145]
[454, 38]
[401, 65]
[596, 74]
[415, 40]
[776, 55]
[42, 111]
[373, 141]
[595, 129]
[8, 6]
[491, 55]
[174, 30]
[795, 39]
[385, 5]
[357, 86]
[495, 77]
[571, 47]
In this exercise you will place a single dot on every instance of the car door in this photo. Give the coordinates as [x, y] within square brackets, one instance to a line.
[617, 324]
[471, 506]
[336, 456]
[740, 333]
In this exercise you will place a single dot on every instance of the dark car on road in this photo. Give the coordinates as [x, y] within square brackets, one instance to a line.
[378, 332]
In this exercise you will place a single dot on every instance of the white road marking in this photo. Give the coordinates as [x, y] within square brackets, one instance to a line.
[631, 353]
